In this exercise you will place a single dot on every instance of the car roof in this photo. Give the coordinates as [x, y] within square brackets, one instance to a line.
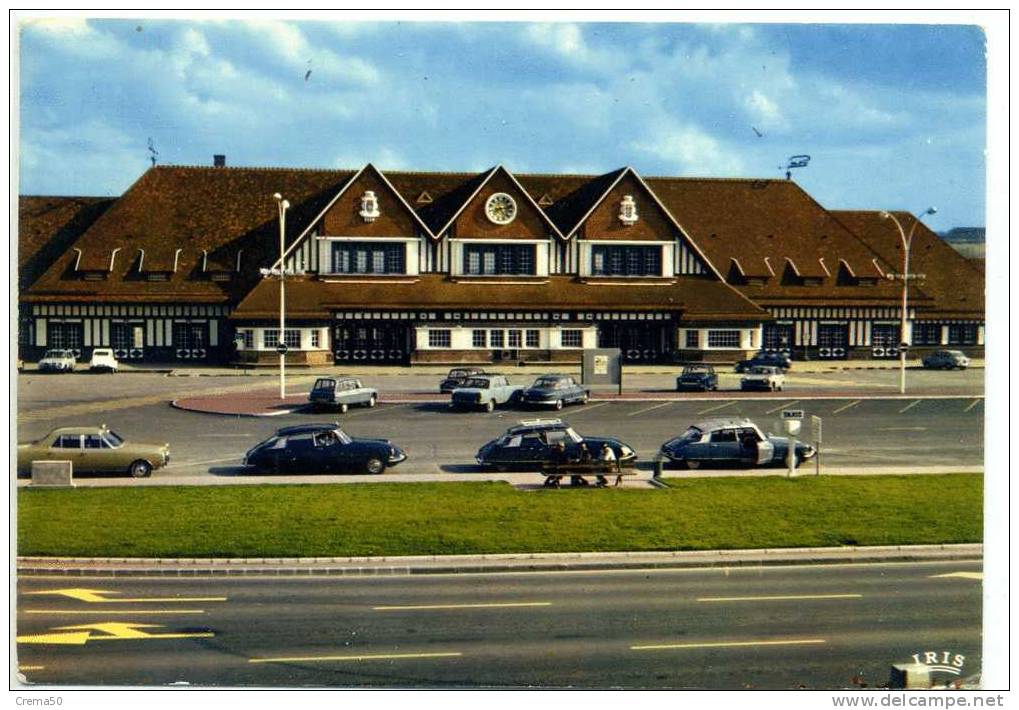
[526, 425]
[553, 376]
[722, 423]
[307, 428]
[77, 430]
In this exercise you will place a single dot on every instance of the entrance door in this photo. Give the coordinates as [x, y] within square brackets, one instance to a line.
[371, 342]
[65, 336]
[884, 339]
[640, 342]
[832, 340]
[191, 340]
[777, 337]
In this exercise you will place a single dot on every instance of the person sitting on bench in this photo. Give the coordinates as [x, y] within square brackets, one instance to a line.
[608, 461]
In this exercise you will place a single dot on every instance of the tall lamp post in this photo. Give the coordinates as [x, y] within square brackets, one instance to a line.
[907, 241]
[282, 206]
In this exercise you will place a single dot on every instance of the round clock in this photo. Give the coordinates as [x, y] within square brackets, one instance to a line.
[500, 208]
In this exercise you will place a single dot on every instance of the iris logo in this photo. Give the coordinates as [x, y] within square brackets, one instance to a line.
[944, 661]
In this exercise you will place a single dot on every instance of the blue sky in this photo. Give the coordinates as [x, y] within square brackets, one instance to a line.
[892, 115]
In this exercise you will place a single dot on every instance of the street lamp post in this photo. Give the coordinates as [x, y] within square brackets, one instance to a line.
[282, 206]
[907, 241]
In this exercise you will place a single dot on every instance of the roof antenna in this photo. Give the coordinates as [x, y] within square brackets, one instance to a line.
[153, 153]
[795, 161]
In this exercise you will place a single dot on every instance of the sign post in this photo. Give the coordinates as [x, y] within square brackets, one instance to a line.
[815, 435]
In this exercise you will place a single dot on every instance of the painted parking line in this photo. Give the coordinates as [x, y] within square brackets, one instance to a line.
[903, 428]
[482, 605]
[960, 575]
[370, 657]
[728, 644]
[909, 406]
[783, 598]
[717, 407]
[847, 406]
[648, 409]
[972, 404]
[782, 406]
[587, 408]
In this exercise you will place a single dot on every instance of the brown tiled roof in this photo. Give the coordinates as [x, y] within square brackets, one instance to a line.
[572, 196]
[952, 281]
[697, 297]
[47, 226]
[218, 211]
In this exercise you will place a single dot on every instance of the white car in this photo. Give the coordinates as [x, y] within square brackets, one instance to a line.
[57, 361]
[763, 377]
[103, 360]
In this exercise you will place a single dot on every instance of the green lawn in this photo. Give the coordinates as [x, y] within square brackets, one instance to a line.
[461, 518]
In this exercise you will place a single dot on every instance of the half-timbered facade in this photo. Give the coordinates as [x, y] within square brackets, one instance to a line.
[408, 267]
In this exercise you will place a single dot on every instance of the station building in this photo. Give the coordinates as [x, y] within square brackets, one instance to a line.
[417, 267]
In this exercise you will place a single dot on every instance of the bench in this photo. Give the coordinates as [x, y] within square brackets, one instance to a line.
[554, 473]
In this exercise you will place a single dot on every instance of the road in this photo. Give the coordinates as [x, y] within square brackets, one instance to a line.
[858, 431]
[769, 627]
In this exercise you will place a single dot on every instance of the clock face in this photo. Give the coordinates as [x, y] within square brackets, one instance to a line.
[500, 208]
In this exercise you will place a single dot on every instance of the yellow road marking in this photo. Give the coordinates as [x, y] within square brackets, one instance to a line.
[648, 409]
[848, 406]
[972, 404]
[114, 631]
[962, 575]
[96, 596]
[493, 605]
[31, 668]
[113, 611]
[373, 657]
[728, 644]
[78, 638]
[909, 406]
[720, 406]
[790, 597]
[782, 406]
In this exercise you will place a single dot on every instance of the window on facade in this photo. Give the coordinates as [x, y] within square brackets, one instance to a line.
[513, 338]
[496, 259]
[64, 335]
[190, 335]
[270, 337]
[533, 338]
[693, 339]
[572, 338]
[439, 338]
[368, 258]
[723, 338]
[495, 339]
[120, 336]
[316, 338]
[962, 334]
[292, 338]
[633, 260]
[478, 339]
[777, 336]
[884, 335]
[248, 336]
[926, 333]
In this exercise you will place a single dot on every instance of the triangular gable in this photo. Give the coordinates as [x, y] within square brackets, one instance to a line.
[353, 180]
[499, 169]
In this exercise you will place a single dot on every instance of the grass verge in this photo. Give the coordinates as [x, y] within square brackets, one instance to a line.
[465, 518]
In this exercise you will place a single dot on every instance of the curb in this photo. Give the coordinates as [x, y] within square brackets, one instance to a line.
[494, 563]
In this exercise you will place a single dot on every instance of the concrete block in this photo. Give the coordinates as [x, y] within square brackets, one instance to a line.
[910, 676]
[52, 474]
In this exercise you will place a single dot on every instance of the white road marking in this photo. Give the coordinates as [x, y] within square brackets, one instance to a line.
[648, 409]
[715, 408]
[790, 597]
[782, 406]
[189, 464]
[972, 404]
[728, 644]
[480, 605]
[847, 406]
[588, 408]
[903, 428]
[909, 406]
[962, 575]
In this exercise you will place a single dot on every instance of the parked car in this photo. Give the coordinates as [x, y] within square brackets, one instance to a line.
[457, 377]
[763, 377]
[723, 441]
[322, 448]
[555, 391]
[485, 392]
[946, 360]
[341, 393]
[57, 361]
[94, 449]
[531, 444]
[773, 359]
[697, 377]
[103, 360]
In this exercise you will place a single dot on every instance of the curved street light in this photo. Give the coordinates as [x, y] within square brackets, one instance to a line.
[281, 207]
[907, 241]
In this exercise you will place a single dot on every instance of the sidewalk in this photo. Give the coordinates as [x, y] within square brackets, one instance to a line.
[467, 564]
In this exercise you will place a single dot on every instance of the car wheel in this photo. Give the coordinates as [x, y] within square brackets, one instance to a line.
[584, 398]
[374, 466]
[490, 406]
[140, 469]
[372, 401]
[558, 404]
[343, 407]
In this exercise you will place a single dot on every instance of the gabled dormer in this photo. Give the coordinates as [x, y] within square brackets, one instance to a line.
[94, 265]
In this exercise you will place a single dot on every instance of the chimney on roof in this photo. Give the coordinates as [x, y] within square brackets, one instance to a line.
[219, 161]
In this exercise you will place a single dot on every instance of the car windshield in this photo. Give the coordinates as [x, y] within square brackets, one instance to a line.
[480, 383]
[113, 439]
[574, 436]
[55, 353]
[343, 436]
[548, 383]
[696, 370]
[325, 384]
[692, 434]
[761, 370]
[102, 353]
[458, 373]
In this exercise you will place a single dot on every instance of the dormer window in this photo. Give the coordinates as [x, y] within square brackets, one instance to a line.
[628, 211]
[369, 206]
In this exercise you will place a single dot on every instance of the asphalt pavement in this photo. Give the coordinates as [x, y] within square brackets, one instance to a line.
[831, 626]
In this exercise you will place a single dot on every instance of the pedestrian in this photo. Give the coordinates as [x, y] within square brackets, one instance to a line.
[608, 461]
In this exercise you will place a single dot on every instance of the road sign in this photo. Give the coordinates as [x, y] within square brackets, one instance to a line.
[282, 349]
[792, 414]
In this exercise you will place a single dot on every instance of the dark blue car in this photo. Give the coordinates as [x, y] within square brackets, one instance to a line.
[723, 442]
[531, 445]
[697, 377]
[322, 448]
[554, 391]
[772, 359]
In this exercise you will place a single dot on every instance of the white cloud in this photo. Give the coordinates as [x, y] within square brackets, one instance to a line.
[691, 151]
[567, 41]
[289, 43]
[764, 111]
